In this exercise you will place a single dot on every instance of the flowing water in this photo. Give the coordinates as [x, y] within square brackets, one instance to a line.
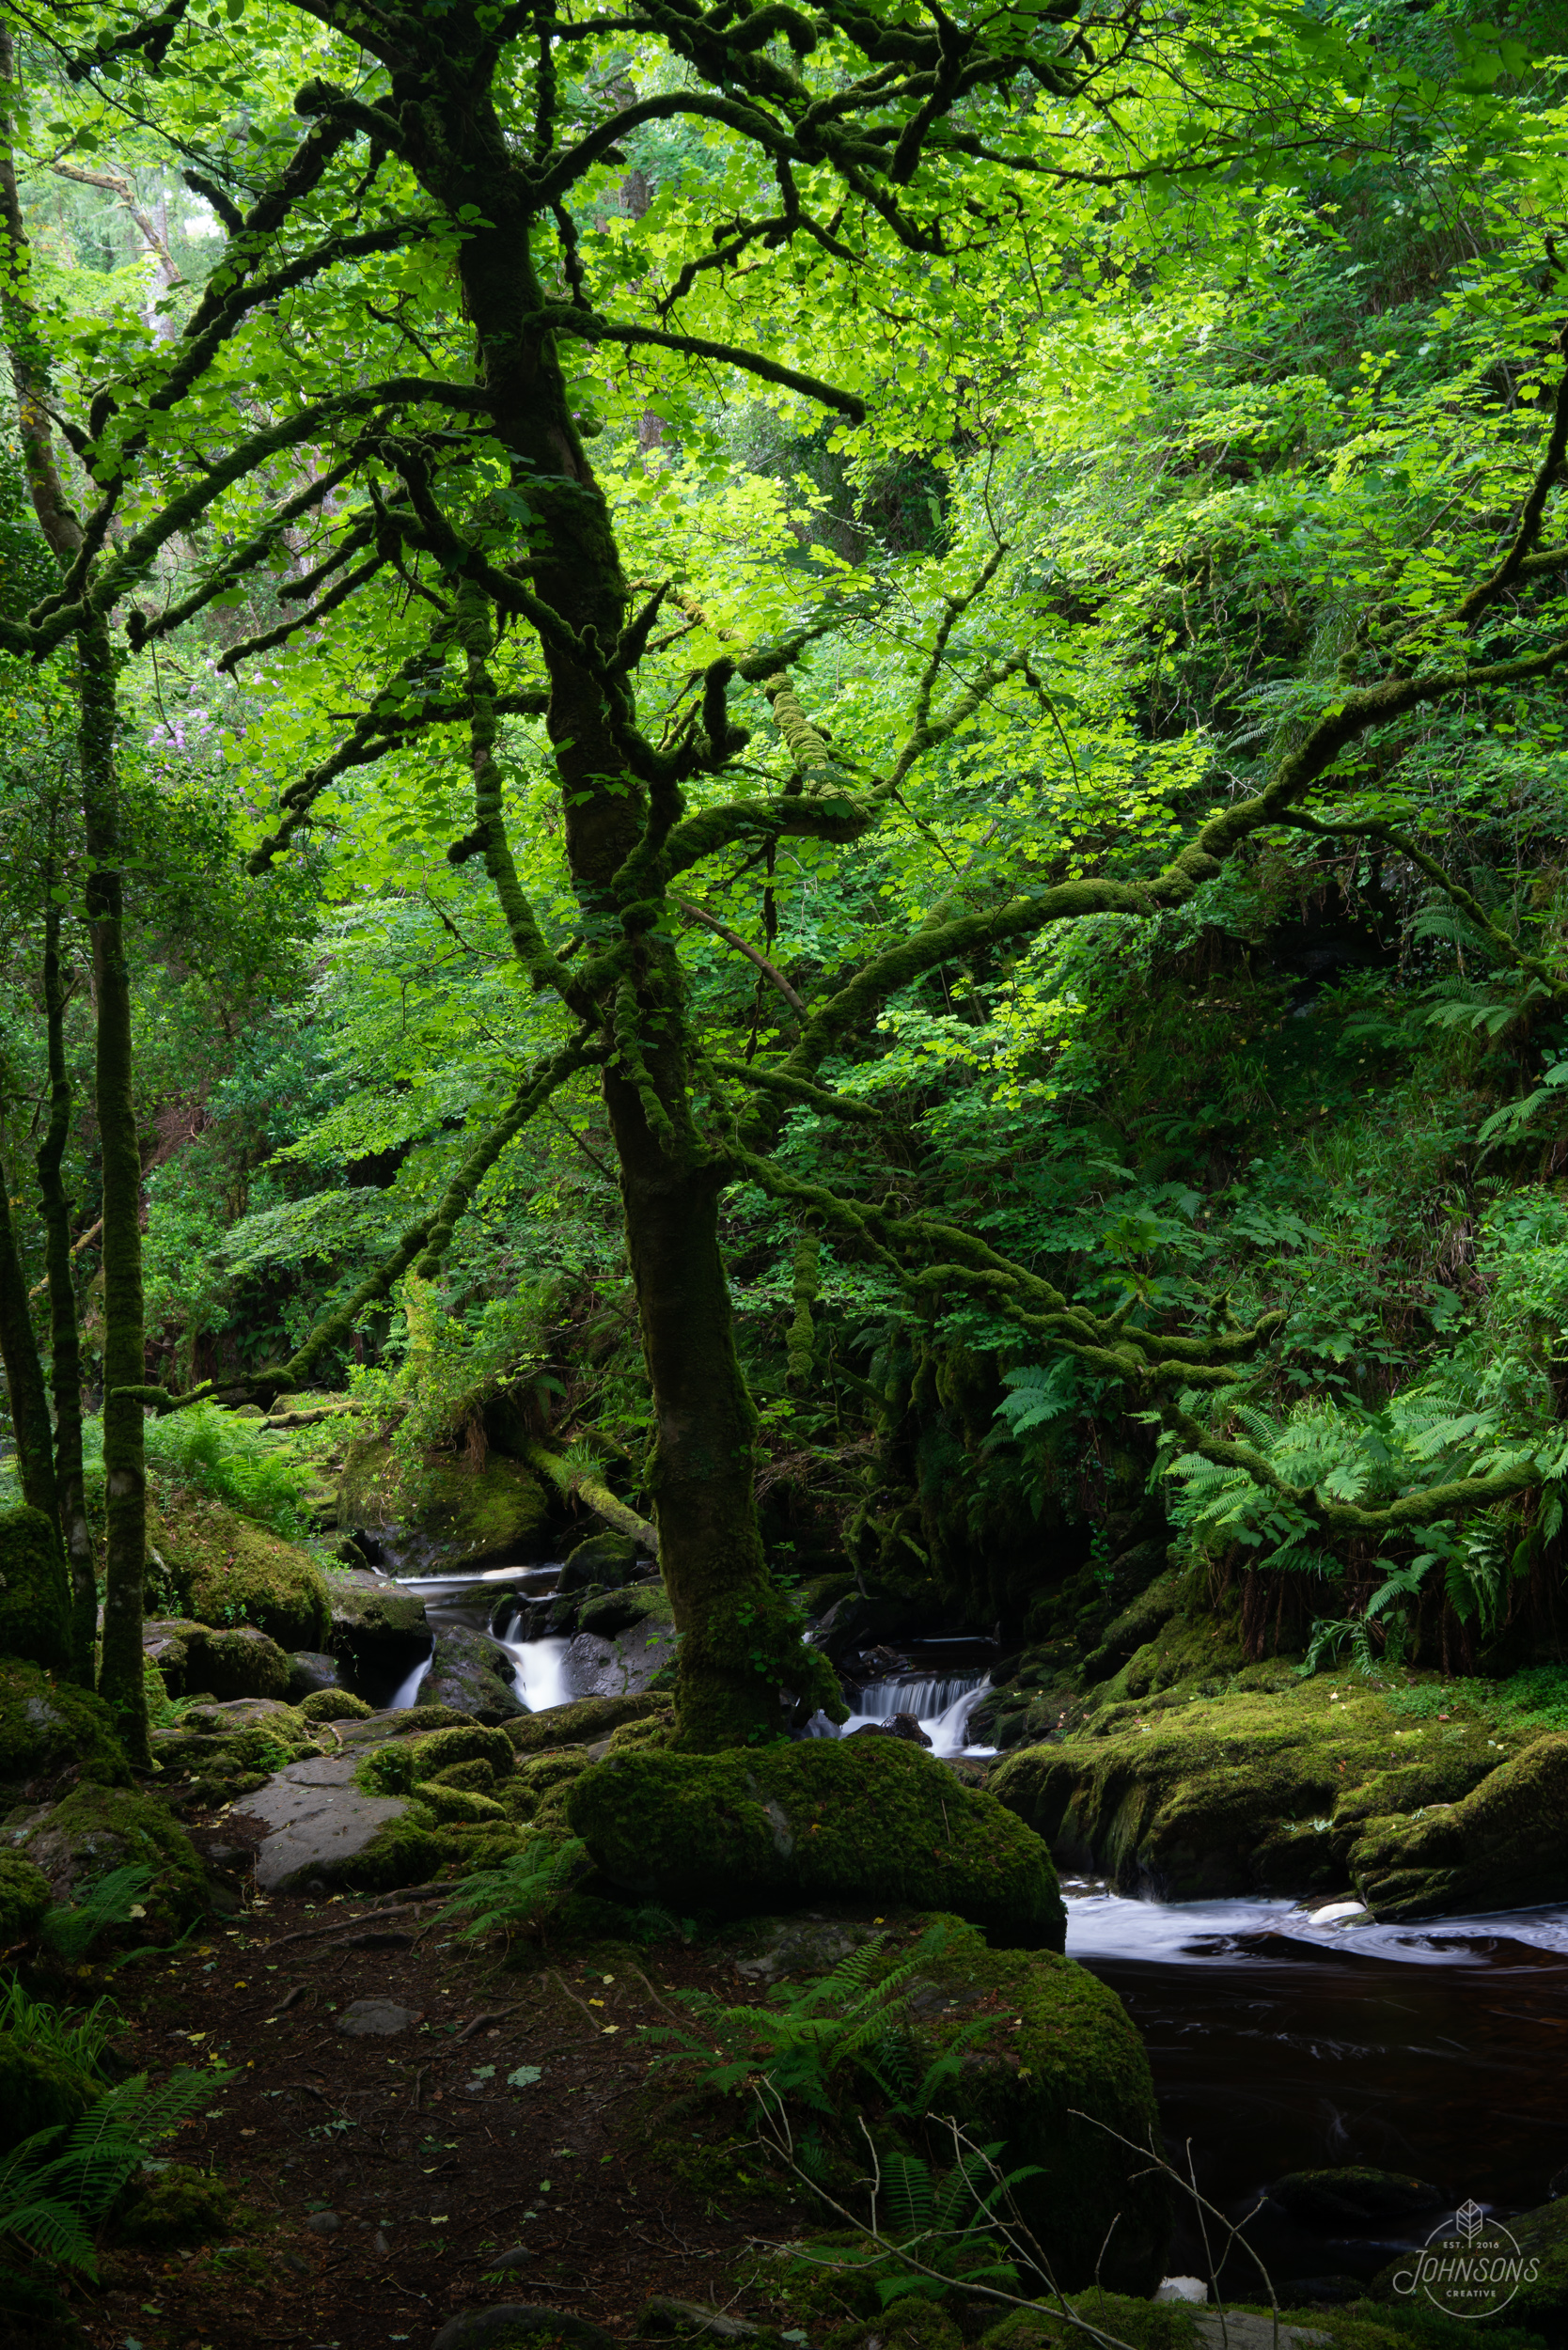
[1279, 2043]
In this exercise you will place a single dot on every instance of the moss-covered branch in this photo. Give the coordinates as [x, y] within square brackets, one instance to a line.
[578, 1485]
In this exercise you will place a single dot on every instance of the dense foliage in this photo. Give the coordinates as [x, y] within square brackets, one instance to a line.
[1071, 866]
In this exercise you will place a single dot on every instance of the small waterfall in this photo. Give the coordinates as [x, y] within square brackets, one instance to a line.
[540, 1669]
[941, 1705]
[407, 1692]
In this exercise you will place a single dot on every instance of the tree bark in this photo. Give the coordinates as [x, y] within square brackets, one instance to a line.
[65, 1352]
[26, 1395]
[121, 1672]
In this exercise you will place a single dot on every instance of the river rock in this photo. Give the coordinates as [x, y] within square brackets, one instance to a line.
[798, 1827]
[606, 1560]
[595, 1667]
[904, 1725]
[511, 2323]
[377, 2019]
[374, 1621]
[462, 1514]
[1353, 2192]
[50, 1730]
[321, 1828]
[473, 1675]
[582, 1722]
[309, 1670]
[1245, 1793]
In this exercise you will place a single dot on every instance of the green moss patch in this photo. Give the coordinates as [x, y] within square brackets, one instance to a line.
[35, 1595]
[176, 2208]
[584, 1722]
[23, 1898]
[774, 1827]
[457, 1514]
[1502, 1845]
[1243, 1792]
[49, 1726]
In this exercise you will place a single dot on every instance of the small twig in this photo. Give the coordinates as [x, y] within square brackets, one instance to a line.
[284, 2005]
[491, 2015]
[552, 1977]
[419, 2085]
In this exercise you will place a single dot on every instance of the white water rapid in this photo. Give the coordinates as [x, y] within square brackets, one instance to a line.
[941, 1703]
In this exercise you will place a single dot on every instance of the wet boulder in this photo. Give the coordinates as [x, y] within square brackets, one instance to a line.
[244, 1663]
[50, 1730]
[1243, 1793]
[472, 1674]
[35, 1592]
[605, 1561]
[793, 1825]
[1356, 2192]
[223, 1569]
[623, 1664]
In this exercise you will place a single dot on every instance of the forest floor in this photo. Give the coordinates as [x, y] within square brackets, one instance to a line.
[430, 2163]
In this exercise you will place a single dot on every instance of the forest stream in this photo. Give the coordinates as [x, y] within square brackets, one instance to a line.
[1282, 2037]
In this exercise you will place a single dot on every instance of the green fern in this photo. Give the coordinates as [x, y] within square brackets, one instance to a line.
[519, 1896]
[72, 1930]
[60, 2185]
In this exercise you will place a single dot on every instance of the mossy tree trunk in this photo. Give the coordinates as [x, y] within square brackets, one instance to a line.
[25, 1396]
[65, 1351]
[121, 1673]
[737, 1638]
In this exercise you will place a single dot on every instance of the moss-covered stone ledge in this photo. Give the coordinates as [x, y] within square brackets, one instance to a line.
[50, 1730]
[1253, 1791]
[788, 1826]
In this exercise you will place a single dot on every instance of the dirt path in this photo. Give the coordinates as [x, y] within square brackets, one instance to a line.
[377, 2178]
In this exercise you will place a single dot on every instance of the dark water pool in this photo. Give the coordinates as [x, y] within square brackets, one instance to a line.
[1277, 2045]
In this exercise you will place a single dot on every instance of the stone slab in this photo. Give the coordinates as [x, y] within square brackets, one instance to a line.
[318, 1822]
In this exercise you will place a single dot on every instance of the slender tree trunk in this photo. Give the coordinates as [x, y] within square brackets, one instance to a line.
[120, 1674]
[64, 1343]
[26, 1395]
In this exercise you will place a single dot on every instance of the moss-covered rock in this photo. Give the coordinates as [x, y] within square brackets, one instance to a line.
[175, 2207]
[771, 1827]
[244, 1663]
[477, 1777]
[539, 1792]
[1238, 1793]
[225, 1570]
[95, 1829]
[584, 1722]
[1138, 1625]
[48, 1729]
[1043, 2041]
[447, 1803]
[332, 1705]
[35, 1592]
[474, 1675]
[38, 2089]
[23, 1898]
[400, 1764]
[311, 1673]
[1504, 1845]
[606, 1560]
[1539, 2300]
[447, 1514]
